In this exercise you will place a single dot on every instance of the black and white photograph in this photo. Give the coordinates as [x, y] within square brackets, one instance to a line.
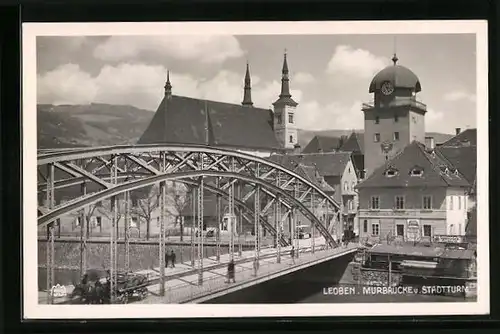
[255, 169]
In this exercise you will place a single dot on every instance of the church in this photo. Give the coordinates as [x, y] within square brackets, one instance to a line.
[244, 128]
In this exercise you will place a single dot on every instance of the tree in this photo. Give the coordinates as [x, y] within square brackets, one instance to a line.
[145, 206]
[177, 200]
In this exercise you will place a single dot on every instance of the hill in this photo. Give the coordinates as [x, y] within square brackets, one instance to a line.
[104, 124]
[90, 125]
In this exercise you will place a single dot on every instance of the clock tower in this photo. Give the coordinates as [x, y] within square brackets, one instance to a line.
[395, 117]
[285, 127]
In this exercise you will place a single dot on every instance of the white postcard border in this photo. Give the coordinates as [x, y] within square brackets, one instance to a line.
[31, 308]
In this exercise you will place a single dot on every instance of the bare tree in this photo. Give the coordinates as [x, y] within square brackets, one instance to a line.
[145, 207]
[177, 200]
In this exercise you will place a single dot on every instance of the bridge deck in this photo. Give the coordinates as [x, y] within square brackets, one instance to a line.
[186, 289]
[182, 281]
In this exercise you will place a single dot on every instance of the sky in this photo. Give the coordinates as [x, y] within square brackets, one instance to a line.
[329, 74]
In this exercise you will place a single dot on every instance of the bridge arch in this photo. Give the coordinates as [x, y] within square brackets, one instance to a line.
[72, 206]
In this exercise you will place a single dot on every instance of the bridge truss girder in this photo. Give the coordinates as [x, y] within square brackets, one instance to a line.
[113, 171]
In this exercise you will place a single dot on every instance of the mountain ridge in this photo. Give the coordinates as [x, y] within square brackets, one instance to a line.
[100, 124]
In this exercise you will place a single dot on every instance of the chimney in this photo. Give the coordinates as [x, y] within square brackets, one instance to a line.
[457, 131]
[429, 143]
[296, 148]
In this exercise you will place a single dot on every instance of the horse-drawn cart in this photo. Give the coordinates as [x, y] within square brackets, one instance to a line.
[94, 289]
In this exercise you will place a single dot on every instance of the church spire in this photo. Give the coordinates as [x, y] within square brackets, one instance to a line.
[247, 90]
[285, 80]
[168, 86]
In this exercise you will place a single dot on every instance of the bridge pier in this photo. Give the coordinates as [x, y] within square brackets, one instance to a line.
[218, 205]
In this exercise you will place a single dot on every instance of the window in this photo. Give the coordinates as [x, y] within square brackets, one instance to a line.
[451, 202]
[376, 138]
[135, 202]
[391, 172]
[290, 118]
[375, 229]
[459, 202]
[400, 230]
[400, 202]
[396, 136]
[346, 186]
[157, 221]
[98, 221]
[427, 231]
[377, 120]
[291, 139]
[353, 185]
[427, 202]
[452, 230]
[279, 119]
[365, 226]
[416, 171]
[375, 203]
[396, 118]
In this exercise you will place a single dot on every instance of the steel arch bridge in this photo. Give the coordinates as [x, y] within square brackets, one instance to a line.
[250, 184]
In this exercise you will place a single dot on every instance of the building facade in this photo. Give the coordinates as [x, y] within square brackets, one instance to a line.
[416, 196]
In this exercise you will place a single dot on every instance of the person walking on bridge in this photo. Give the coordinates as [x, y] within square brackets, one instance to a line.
[172, 258]
[292, 254]
[230, 272]
[167, 259]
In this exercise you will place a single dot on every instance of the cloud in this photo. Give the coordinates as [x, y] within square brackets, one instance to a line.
[355, 62]
[141, 86]
[434, 121]
[66, 84]
[314, 116]
[459, 95]
[201, 48]
[302, 78]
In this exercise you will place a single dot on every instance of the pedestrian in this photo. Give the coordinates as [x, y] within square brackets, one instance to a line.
[292, 254]
[167, 259]
[230, 272]
[172, 258]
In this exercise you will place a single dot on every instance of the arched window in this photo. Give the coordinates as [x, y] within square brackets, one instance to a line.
[346, 186]
[291, 139]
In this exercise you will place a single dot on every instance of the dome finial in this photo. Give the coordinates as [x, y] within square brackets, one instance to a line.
[395, 59]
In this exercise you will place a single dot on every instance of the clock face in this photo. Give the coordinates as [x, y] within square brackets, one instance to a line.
[387, 88]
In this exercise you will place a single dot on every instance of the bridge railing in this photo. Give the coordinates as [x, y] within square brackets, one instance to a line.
[186, 292]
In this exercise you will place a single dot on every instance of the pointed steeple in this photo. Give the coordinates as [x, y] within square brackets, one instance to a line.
[285, 80]
[168, 86]
[285, 96]
[247, 90]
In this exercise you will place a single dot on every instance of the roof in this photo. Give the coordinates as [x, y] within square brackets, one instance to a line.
[322, 143]
[304, 168]
[465, 138]
[328, 164]
[462, 254]
[188, 120]
[415, 155]
[355, 143]
[408, 250]
[358, 160]
[399, 76]
[464, 158]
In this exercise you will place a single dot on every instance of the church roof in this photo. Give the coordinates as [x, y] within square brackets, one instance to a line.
[187, 120]
[355, 143]
[436, 170]
[399, 76]
[322, 143]
[465, 138]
